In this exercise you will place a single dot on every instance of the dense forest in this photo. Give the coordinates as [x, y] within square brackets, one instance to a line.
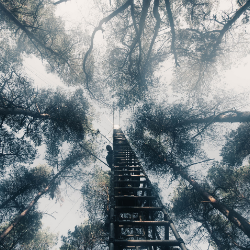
[162, 65]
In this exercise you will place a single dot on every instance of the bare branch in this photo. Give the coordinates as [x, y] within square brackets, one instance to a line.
[19, 111]
[104, 20]
[227, 26]
[227, 116]
[92, 154]
[30, 35]
[60, 1]
[198, 163]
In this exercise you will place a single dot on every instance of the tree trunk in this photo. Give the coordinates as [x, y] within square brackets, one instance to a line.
[231, 214]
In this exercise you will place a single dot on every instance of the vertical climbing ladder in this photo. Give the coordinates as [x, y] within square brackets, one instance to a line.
[138, 219]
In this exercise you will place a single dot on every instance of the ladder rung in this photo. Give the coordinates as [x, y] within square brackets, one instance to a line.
[124, 152]
[131, 175]
[127, 171]
[122, 167]
[147, 242]
[122, 162]
[126, 157]
[143, 223]
[136, 208]
[125, 197]
[128, 181]
[128, 165]
[131, 235]
[133, 188]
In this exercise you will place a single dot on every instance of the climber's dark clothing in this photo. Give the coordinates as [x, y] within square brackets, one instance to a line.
[109, 157]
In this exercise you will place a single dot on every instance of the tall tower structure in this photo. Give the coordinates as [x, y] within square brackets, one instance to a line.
[138, 219]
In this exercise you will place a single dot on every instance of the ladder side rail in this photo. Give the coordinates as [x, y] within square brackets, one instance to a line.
[166, 215]
[132, 160]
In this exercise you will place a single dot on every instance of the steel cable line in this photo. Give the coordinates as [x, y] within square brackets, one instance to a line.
[66, 215]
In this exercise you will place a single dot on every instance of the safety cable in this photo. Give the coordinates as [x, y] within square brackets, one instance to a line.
[92, 154]
[66, 215]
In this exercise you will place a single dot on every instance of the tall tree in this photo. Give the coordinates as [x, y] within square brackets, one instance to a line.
[23, 232]
[170, 153]
[229, 186]
[20, 187]
[67, 164]
[94, 233]
[191, 33]
[29, 117]
[43, 240]
[38, 31]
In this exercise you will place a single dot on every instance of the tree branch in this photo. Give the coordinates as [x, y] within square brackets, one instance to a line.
[28, 33]
[227, 116]
[99, 27]
[227, 26]
[19, 111]
[92, 154]
[230, 214]
[137, 39]
[60, 1]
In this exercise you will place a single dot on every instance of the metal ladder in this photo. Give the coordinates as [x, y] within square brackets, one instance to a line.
[138, 219]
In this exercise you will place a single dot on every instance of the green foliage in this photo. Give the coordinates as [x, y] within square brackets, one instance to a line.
[86, 236]
[43, 240]
[14, 150]
[231, 184]
[191, 210]
[160, 136]
[20, 187]
[30, 117]
[228, 185]
[94, 233]
[38, 31]
[95, 192]
[24, 232]
[237, 147]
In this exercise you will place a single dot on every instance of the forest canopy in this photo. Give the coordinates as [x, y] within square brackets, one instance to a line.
[163, 65]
